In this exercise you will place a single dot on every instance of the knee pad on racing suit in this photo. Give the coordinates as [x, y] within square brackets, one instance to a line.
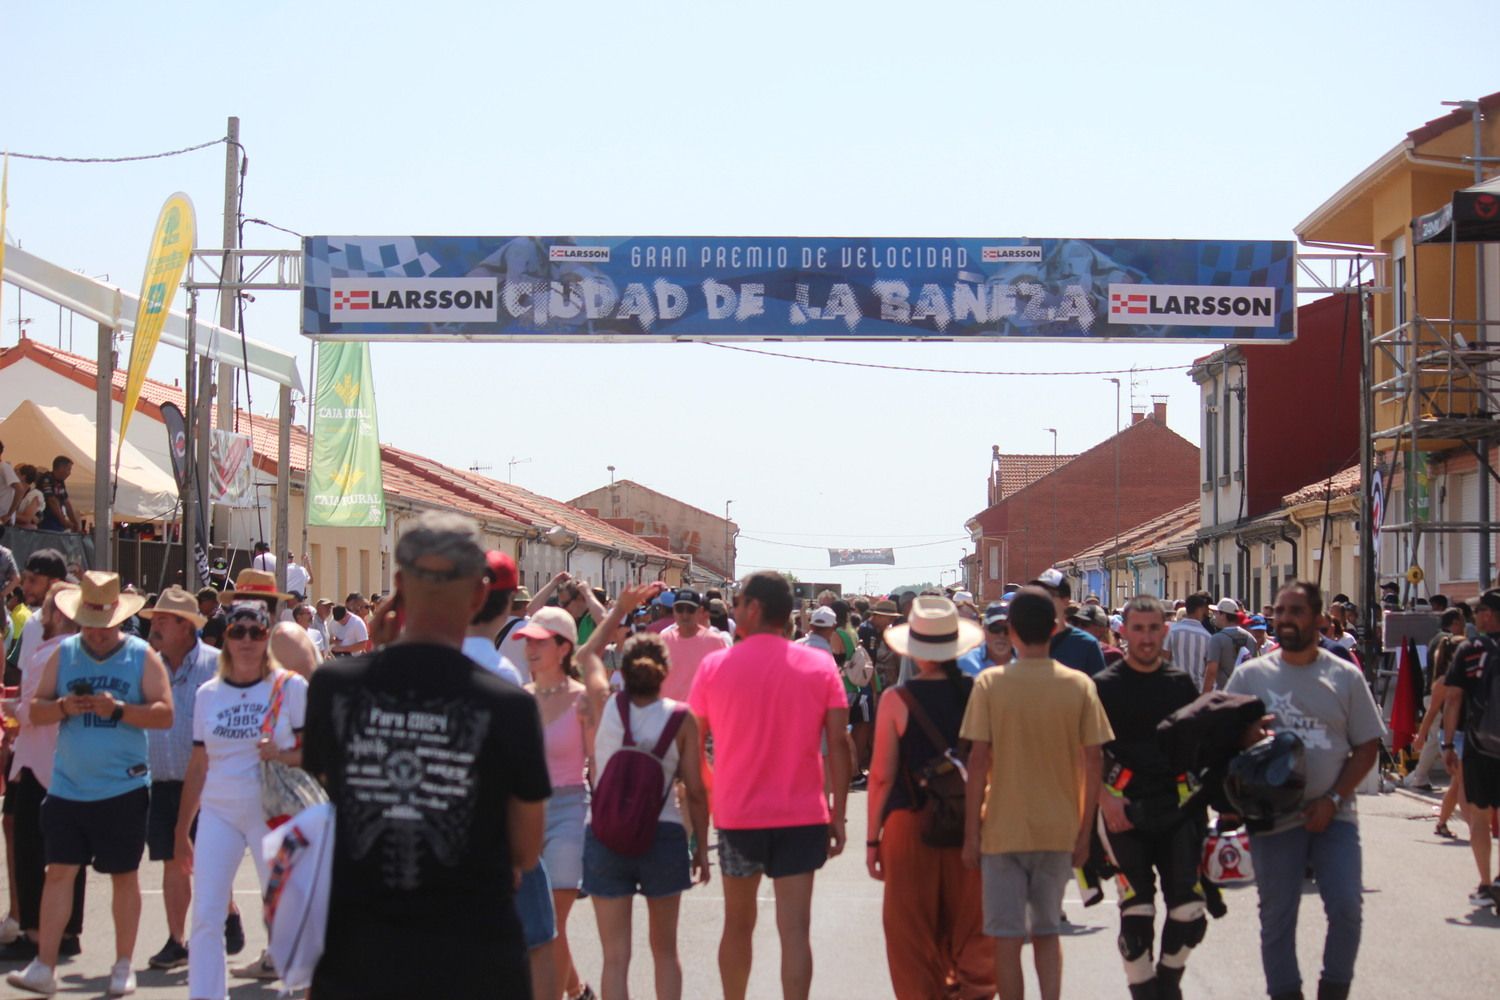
[1183, 932]
[1137, 935]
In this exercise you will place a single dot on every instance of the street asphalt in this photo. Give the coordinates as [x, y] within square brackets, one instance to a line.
[1421, 937]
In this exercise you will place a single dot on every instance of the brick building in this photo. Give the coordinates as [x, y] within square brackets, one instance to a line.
[706, 539]
[1060, 512]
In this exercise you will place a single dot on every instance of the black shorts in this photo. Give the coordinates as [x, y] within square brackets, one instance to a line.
[1481, 777]
[109, 833]
[161, 822]
[778, 851]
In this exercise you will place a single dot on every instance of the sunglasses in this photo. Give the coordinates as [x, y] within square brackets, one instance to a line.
[677, 608]
[997, 629]
[252, 632]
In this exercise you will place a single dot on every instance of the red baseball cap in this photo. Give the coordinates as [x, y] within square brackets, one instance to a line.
[502, 570]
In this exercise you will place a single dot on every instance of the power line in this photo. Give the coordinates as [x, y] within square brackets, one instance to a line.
[797, 544]
[116, 159]
[845, 569]
[939, 371]
[272, 225]
[835, 534]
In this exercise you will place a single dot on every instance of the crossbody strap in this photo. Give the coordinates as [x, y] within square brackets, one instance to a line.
[268, 724]
[922, 719]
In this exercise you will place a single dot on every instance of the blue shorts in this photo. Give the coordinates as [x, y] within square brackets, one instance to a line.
[562, 845]
[664, 870]
[534, 907]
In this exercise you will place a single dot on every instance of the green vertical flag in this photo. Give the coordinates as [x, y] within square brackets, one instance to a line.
[345, 488]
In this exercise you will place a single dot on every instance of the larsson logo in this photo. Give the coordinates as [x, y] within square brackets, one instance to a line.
[1191, 305]
[413, 300]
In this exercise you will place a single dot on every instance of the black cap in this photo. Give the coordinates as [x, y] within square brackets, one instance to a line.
[687, 596]
[996, 611]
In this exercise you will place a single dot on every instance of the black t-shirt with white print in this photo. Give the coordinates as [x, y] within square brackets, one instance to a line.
[421, 751]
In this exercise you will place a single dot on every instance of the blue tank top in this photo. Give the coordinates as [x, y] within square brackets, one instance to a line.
[96, 758]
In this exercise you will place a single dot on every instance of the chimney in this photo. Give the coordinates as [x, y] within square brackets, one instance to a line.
[1136, 416]
[995, 494]
[1159, 409]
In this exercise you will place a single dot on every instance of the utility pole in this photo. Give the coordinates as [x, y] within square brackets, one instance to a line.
[1112, 595]
[201, 422]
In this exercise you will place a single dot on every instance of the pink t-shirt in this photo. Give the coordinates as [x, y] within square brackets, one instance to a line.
[765, 701]
[686, 655]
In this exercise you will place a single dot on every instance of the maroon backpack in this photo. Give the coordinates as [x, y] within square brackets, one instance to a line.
[629, 795]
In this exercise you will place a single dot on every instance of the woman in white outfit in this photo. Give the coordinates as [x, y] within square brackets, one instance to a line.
[223, 780]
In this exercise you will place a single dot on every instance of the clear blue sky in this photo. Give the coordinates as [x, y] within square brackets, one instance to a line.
[798, 119]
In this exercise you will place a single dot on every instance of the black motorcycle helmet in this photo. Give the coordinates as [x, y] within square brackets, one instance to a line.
[1266, 782]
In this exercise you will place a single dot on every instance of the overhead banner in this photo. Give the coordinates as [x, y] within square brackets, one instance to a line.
[658, 288]
[861, 557]
[345, 488]
[171, 244]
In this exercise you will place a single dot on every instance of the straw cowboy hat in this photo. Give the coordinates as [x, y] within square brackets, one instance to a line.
[934, 631]
[176, 601]
[98, 603]
[252, 583]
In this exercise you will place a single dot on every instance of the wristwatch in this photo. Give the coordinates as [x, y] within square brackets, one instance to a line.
[1336, 799]
[117, 714]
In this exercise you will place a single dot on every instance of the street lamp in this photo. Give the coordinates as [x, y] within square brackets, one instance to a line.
[1053, 546]
[728, 554]
[1113, 597]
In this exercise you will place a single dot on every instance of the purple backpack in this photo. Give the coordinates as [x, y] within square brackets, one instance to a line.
[629, 795]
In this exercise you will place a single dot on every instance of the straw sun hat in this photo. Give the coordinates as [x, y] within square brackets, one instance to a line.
[934, 631]
[176, 601]
[98, 603]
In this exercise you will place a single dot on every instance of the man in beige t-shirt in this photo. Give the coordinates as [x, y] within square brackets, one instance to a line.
[1036, 728]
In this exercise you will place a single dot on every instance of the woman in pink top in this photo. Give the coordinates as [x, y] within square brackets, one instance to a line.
[568, 734]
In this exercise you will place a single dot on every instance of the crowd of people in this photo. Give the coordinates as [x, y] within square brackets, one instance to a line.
[493, 757]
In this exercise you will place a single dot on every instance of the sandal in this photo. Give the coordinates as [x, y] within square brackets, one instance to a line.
[1443, 831]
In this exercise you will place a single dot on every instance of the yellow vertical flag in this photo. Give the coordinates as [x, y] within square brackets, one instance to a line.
[171, 245]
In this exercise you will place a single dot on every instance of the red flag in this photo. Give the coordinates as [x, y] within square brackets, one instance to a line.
[1407, 707]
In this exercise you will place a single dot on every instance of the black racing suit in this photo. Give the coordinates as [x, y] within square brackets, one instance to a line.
[1166, 838]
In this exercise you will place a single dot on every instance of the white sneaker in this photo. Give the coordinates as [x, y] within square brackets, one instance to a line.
[261, 969]
[9, 929]
[36, 977]
[121, 978]
[1481, 896]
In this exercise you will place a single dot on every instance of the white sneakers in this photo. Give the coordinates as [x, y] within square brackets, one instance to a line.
[121, 978]
[9, 929]
[36, 977]
[39, 978]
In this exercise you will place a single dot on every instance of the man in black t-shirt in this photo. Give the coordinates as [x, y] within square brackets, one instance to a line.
[1468, 683]
[1148, 830]
[437, 773]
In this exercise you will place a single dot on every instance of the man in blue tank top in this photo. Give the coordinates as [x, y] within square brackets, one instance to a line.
[104, 689]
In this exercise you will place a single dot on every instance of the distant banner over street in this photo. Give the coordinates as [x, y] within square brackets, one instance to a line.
[655, 288]
[861, 557]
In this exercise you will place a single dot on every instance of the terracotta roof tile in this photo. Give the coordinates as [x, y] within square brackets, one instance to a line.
[1019, 471]
[406, 474]
[1345, 483]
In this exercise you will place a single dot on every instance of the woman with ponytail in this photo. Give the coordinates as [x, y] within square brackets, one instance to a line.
[933, 916]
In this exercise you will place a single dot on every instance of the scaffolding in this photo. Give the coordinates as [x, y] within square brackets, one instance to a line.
[1442, 379]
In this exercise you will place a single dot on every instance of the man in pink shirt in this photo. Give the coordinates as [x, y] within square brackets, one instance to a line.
[771, 705]
[688, 642]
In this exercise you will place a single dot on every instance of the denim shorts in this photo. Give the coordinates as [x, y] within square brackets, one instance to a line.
[534, 907]
[664, 870]
[562, 845]
[775, 851]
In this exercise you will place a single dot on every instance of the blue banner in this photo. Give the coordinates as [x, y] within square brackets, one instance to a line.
[654, 288]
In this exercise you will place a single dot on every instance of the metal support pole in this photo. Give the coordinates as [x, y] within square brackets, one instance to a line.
[189, 496]
[102, 450]
[1368, 569]
[1482, 330]
[283, 485]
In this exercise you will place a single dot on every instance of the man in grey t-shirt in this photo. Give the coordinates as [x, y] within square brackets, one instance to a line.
[1228, 646]
[1326, 702]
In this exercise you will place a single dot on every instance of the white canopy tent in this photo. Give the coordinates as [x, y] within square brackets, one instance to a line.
[36, 434]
